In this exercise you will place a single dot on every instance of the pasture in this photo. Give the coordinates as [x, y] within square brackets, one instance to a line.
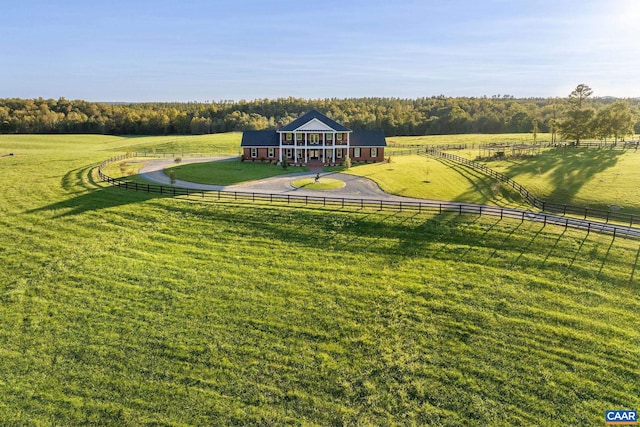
[596, 179]
[124, 308]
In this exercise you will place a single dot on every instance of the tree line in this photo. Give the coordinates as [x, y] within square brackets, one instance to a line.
[436, 115]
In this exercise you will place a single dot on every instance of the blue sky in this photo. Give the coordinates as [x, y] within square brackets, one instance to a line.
[193, 50]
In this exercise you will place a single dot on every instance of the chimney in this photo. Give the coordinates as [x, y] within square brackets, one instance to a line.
[346, 124]
[280, 124]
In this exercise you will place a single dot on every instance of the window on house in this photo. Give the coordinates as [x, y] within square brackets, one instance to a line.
[254, 152]
[299, 136]
[374, 152]
[271, 152]
[329, 136]
[289, 136]
[339, 153]
[289, 153]
[356, 152]
[339, 136]
[313, 138]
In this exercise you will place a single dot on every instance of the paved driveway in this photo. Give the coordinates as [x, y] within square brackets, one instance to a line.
[362, 188]
[355, 186]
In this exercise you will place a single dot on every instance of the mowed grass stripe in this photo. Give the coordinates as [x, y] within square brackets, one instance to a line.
[137, 309]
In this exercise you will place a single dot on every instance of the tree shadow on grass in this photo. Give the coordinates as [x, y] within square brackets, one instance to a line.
[481, 185]
[570, 169]
[86, 194]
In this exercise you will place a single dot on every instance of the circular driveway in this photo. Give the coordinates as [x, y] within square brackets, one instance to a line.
[355, 186]
[362, 188]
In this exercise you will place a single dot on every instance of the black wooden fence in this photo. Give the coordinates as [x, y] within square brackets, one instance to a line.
[357, 203]
[551, 207]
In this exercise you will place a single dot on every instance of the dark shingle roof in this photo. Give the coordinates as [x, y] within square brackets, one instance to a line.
[367, 138]
[259, 138]
[313, 114]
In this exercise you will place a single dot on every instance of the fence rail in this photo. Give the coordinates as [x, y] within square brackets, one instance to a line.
[546, 206]
[357, 203]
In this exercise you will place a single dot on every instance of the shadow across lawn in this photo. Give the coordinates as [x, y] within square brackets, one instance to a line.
[567, 169]
[86, 194]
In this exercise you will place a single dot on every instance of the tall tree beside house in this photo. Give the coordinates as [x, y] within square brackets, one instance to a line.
[578, 122]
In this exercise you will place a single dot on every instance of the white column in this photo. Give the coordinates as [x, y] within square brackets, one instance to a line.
[348, 145]
[280, 149]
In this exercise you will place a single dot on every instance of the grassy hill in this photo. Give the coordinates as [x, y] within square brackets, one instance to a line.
[122, 308]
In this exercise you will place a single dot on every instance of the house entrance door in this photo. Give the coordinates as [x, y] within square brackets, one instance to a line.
[314, 154]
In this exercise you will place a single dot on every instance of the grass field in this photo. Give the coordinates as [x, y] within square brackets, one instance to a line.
[591, 178]
[320, 184]
[123, 308]
[230, 172]
[428, 178]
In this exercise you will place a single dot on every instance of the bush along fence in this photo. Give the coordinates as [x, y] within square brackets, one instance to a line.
[543, 205]
[356, 203]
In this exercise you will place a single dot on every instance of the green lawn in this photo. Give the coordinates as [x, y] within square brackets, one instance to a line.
[220, 143]
[591, 178]
[230, 172]
[428, 178]
[123, 308]
[321, 184]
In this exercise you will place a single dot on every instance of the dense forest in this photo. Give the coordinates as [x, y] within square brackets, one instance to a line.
[422, 116]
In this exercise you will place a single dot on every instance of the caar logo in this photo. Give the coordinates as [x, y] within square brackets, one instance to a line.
[621, 417]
